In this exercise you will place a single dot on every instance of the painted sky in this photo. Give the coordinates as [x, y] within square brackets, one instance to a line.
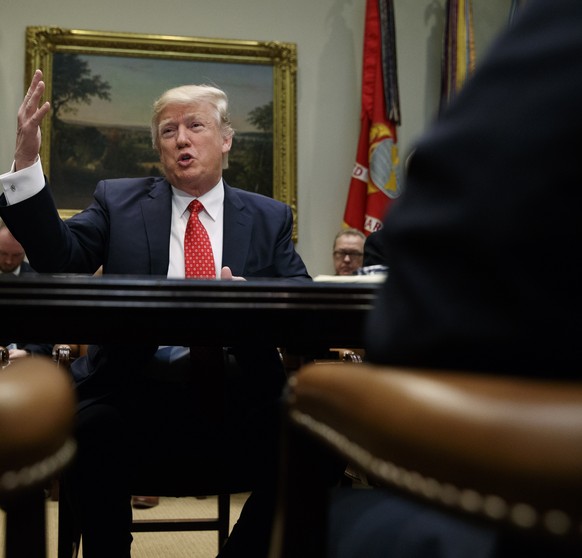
[137, 82]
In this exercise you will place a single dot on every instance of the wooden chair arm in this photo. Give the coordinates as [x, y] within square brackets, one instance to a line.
[4, 357]
[37, 407]
[64, 354]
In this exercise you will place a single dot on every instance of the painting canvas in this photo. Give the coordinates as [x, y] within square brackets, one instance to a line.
[102, 87]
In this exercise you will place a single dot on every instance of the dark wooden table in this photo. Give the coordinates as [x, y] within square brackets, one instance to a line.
[109, 309]
[304, 319]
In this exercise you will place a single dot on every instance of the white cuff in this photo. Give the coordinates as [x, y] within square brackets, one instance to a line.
[20, 185]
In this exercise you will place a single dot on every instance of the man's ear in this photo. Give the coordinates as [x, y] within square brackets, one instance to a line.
[226, 144]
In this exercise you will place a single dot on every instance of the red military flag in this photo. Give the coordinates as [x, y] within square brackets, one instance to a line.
[376, 180]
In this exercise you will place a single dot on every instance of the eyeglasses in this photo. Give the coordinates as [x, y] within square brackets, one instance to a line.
[341, 254]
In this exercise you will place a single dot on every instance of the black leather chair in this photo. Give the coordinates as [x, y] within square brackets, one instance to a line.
[207, 480]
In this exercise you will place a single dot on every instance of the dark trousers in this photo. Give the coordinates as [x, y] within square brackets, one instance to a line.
[380, 524]
[157, 434]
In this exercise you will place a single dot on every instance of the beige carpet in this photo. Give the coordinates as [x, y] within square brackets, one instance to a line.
[159, 545]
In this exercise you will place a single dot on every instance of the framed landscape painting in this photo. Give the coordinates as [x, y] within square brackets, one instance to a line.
[102, 86]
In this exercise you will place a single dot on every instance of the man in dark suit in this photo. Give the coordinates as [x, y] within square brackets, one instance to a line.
[373, 249]
[12, 261]
[12, 254]
[137, 227]
[482, 247]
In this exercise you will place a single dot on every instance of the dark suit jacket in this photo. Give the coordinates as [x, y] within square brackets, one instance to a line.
[127, 230]
[374, 249]
[484, 244]
[25, 267]
[40, 349]
[484, 250]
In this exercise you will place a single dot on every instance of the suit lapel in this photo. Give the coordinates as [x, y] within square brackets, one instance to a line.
[237, 232]
[157, 213]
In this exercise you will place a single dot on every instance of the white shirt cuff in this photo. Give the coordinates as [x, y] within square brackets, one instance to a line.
[20, 185]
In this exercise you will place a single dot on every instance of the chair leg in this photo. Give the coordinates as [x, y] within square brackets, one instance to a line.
[308, 471]
[26, 526]
[223, 519]
[69, 535]
[54, 490]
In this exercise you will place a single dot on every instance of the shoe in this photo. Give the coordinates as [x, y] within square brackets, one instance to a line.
[145, 502]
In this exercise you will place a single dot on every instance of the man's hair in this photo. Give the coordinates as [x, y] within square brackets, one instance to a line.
[350, 232]
[189, 95]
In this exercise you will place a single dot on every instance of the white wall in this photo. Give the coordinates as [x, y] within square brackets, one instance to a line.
[329, 38]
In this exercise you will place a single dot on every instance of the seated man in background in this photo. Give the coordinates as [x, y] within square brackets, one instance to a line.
[12, 261]
[482, 246]
[12, 254]
[136, 405]
[348, 251]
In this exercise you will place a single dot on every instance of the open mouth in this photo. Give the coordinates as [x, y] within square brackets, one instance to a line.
[185, 159]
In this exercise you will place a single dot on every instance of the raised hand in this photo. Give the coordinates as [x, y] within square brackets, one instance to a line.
[30, 115]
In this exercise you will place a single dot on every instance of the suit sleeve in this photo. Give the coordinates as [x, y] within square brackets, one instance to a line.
[50, 244]
[289, 263]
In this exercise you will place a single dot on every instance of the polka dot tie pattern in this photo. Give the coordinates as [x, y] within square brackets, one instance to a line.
[198, 257]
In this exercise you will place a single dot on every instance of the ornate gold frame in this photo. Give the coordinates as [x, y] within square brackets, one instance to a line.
[43, 42]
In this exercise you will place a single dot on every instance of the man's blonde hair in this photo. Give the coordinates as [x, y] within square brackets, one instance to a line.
[190, 95]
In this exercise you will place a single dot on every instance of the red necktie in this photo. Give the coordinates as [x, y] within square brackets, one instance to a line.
[198, 258]
[207, 363]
